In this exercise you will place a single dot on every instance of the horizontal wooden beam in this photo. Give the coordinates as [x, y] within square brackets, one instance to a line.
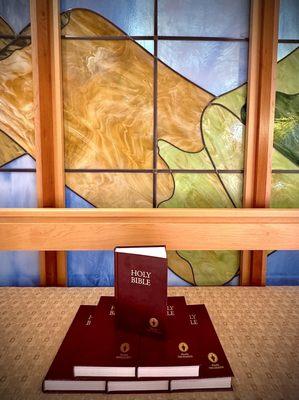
[102, 229]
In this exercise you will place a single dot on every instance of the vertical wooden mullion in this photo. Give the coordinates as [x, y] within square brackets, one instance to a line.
[251, 125]
[46, 62]
[260, 123]
[57, 103]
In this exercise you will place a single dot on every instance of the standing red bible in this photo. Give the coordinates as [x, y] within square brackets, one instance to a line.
[141, 288]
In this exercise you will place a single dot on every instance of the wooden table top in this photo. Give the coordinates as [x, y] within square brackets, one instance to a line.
[258, 328]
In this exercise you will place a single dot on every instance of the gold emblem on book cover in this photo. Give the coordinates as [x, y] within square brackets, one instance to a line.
[153, 322]
[124, 347]
[212, 357]
[183, 347]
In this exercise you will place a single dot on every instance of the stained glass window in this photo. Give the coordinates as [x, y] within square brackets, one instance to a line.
[154, 116]
[17, 165]
[282, 267]
[153, 104]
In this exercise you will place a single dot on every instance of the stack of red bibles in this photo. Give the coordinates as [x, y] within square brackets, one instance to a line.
[140, 340]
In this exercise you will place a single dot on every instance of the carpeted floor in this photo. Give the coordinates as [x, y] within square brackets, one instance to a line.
[258, 328]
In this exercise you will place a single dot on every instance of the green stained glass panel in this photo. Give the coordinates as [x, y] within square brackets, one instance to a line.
[285, 190]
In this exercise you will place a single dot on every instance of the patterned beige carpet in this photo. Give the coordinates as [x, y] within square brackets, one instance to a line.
[258, 328]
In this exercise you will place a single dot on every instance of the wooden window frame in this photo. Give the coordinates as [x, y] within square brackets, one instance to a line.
[53, 230]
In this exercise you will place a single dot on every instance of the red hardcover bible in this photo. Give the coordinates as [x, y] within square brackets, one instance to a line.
[107, 350]
[176, 354]
[141, 288]
[215, 371]
[60, 375]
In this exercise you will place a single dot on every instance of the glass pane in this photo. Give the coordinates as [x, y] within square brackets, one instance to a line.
[24, 161]
[19, 268]
[288, 19]
[16, 99]
[285, 192]
[90, 268]
[175, 280]
[16, 14]
[234, 185]
[73, 200]
[132, 17]
[224, 137]
[204, 268]
[192, 190]
[108, 104]
[217, 67]
[172, 157]
[286, 123]
[285, 49]
[112, 189]
[18, 189]
[9, 150]
[287, 73]
[147, 45]
[18, 183]
[222, 18]
[284, 188]
[282, 268]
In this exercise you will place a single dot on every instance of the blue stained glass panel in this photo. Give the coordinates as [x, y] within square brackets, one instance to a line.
[90, 268]
[285, 48]
[215, 66]
[16, 13]
[23, 162]
[19, 268]
[234, 282]
[174, 280]
[18, 189]
[134, 17]
[147, 44]
[283, 268]
[213, 18]
[288, 19]
[73, 200]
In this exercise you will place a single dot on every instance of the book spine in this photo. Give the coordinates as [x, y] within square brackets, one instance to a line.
[116, 275]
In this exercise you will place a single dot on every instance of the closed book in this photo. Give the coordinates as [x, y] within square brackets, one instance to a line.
[60, 375]
[107, 350]
[141, 288]
[215, 371]
[176, 353]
